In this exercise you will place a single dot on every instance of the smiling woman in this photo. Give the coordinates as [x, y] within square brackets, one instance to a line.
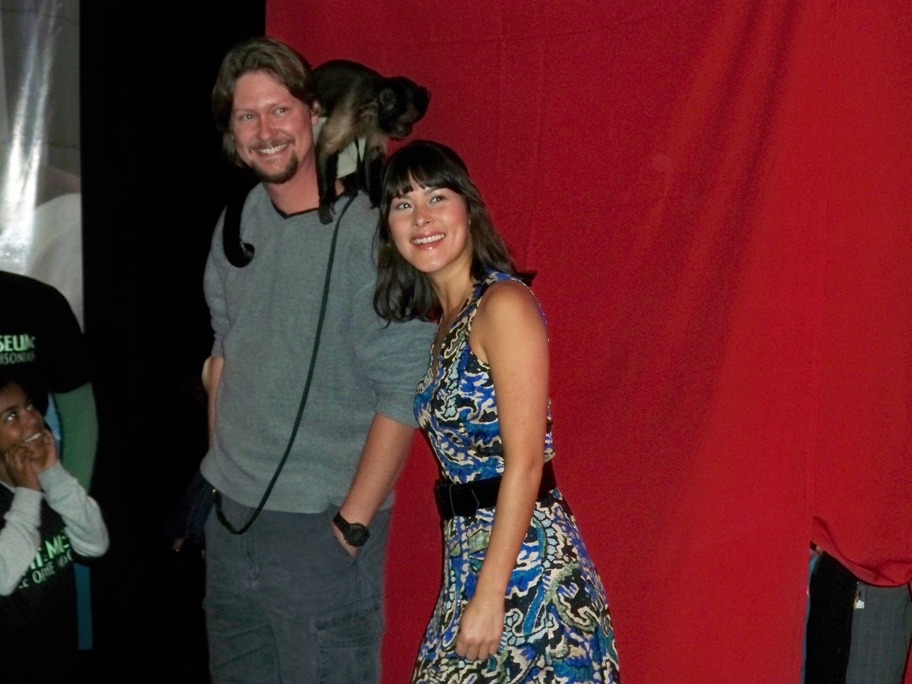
[430, 229]
[521, 599]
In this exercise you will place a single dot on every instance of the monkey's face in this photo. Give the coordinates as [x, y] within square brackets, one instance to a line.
[430, 229]
[401, 125]
[402, 103]
[272, 129]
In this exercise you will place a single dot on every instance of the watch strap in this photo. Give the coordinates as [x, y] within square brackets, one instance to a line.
[355, 534]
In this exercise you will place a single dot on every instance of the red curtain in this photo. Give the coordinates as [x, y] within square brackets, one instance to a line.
[716, 198]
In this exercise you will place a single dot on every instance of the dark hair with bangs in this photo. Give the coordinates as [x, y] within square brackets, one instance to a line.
[279, 60]
[404, 293]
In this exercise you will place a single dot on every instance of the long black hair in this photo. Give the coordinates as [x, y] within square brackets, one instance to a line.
[404, 293]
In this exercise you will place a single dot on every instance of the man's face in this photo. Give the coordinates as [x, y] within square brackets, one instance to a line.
[272, 129]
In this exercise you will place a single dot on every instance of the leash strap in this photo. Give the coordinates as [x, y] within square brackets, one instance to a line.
[216, 495]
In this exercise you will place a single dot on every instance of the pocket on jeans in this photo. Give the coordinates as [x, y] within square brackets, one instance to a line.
[349, 640]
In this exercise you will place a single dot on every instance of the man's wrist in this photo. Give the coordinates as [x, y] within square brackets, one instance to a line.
[354, 533]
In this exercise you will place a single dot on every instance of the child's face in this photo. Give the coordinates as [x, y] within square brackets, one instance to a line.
[20, 420]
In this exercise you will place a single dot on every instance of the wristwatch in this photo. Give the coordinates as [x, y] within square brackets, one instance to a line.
[355, 534]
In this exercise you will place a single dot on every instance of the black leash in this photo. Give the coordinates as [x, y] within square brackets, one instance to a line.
[216, 495]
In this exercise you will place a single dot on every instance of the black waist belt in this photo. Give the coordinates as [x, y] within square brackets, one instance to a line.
[465, 499]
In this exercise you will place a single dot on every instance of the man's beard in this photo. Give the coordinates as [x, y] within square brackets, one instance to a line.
[282, 176]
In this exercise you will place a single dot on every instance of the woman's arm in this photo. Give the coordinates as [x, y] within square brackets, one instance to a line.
[385, 452]
[510, 335]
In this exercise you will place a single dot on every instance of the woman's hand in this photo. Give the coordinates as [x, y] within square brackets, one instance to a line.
[481, 628]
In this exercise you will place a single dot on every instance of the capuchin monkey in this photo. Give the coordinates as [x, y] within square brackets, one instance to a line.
[361, 105]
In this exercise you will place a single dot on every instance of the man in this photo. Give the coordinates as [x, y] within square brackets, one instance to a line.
[303, 479]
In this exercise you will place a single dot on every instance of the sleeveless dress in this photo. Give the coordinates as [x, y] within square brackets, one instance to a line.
[557, 627]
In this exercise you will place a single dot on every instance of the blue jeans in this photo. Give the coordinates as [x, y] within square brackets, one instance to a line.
[285, 603]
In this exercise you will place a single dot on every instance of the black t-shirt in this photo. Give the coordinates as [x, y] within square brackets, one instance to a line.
[41, 343]
[38, 620]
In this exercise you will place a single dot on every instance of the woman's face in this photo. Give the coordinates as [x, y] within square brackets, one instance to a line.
[430, 228]
[20, 420]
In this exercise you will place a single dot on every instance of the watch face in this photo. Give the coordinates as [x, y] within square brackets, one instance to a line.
[357, 534]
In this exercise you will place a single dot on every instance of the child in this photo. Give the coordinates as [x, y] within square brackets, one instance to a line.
[48, 520]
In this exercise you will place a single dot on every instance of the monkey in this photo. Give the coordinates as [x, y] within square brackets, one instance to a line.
[359, 105]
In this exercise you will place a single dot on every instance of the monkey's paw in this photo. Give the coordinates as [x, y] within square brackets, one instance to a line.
[326, 213]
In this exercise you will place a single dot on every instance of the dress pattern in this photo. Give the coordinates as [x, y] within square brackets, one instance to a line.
[557, 627]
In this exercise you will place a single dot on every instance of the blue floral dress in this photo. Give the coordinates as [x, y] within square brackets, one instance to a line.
[557, 627]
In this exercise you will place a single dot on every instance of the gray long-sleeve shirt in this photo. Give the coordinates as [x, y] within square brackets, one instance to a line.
[20, 537]
[264, 317]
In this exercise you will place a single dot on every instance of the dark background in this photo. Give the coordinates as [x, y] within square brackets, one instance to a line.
[154, 182]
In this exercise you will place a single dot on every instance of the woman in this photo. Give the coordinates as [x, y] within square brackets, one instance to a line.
[521, 600]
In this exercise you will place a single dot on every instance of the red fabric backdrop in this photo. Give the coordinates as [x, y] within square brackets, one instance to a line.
[716, 198]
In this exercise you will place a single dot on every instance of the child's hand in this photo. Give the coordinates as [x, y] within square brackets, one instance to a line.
[44, 451]
[25, 460]
[20, 467]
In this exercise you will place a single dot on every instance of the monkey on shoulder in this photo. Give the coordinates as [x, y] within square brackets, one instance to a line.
[360, 104]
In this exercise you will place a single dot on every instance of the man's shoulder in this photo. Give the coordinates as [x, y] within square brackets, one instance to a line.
[359, 223]
[256, 198]
[359, 213]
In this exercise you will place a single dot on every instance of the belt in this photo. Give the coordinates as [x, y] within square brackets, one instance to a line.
[465, 499]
